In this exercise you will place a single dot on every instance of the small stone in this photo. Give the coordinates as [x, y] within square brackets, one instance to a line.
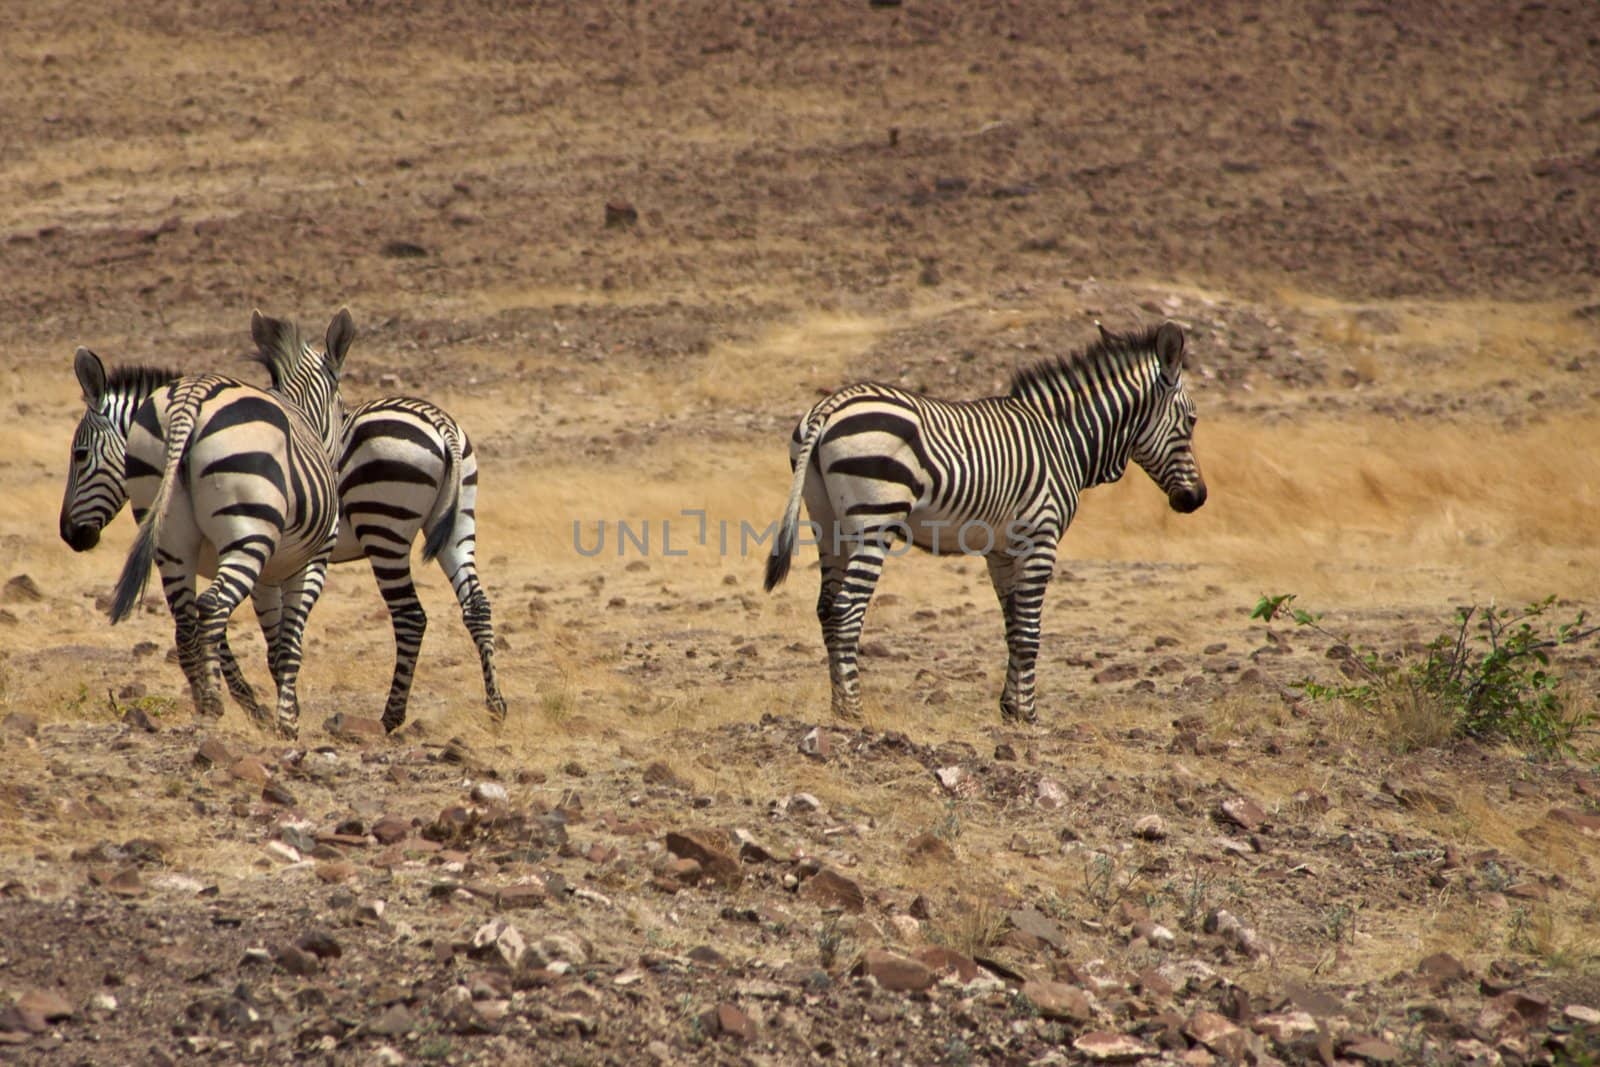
[136, 718]
[1217, 1033]
[621, 215]
[277, 793]
[1058, 1000]
[1150, 828]
[1117, 672]
[1049, 795]
[394, 1021]
[297, 961]
[391, 829]
[499, 938]
[830, 888]
[1586, 823]
[816, 745]
[1156, 936]
[702, 846]
[1005, 753]
[333, 872]
[1284, 1027]
[1371, 1049]
[1035, 923]
[895, 972]
[951, 778]
[803, 803]
[734, 1023]
[212, 753]
[22, 587]
[1242, 812]
[283, 853]
[941, 960]
[1103, 1046]
[490, 793]
[250, 769]
[1578, 1013]
[46, 1004]
[659, 773]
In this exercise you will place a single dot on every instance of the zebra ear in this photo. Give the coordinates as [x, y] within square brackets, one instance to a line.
[91, 375]
[1169, 348]
[261, 330]
[341, 332]
[1105, 334]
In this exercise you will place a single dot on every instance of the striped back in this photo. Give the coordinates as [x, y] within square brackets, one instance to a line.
[308, 380]
[96, 476]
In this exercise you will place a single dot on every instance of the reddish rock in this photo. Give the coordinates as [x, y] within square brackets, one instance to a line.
[46, 1004]
[335, 871]
[734, 1023]
[684, 870]
[1150, 828]
[212, 753]
[1242, 812]
[1370, 1049]
[942, 961]
[816, 744]
[829, 888]
[390, 829]
[297, 961]
[895, 972]
[1036, 924]
[522, 895]
[1058, 1000]
[250, 769]
[1103, 1046]
[704, 847]
[1117, 672]
[277, 793]
[1217, 1034]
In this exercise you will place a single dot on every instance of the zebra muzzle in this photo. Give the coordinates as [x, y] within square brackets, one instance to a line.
[1188, 498]
[80, 538]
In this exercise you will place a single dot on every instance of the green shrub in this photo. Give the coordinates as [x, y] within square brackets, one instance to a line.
[1487, 677]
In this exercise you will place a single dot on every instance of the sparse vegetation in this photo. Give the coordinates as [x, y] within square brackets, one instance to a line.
[1488, 677]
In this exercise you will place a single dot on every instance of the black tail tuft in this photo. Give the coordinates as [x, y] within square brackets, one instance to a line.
[778, 562]
[135, 573]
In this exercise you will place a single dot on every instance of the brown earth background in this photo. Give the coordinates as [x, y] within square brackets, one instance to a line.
[1379, 226]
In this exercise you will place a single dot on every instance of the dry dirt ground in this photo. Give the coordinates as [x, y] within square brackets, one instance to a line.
[1379, 225]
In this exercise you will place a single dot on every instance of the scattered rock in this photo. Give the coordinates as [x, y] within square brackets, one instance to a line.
[621, 215]
[1049, 795]
[275, 792]
[391, 829]
[1103, 1046]
[1243, 813]
[1035, 923]
[490, 793]
[702, 847]
[895, 972]
[213, 753]
[500, 939]
[1370, 1049]
[1058, 1000]
[297, 961]
[815, 744]
[829, 888]
[1117, 672]
[46, 1004]
[21, 587]
[1442, 970]
[1587, 823]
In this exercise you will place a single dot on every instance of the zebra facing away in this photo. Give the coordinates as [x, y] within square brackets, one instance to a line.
[406, 465]
[997, 477]
[225, 479]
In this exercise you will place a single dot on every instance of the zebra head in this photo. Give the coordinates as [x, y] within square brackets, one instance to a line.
[306, 379]
[1164, 442]
[96, 476]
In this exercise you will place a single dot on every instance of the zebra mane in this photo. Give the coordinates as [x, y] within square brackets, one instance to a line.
[139, 379]
[281, 352]
[1112, 349]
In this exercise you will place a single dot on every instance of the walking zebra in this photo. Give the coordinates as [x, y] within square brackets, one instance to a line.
[406, 465]
[999, 477]
[225, 479]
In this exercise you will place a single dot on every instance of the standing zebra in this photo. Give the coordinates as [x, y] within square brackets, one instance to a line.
[406, 465]
[998, 477]
[230, 480]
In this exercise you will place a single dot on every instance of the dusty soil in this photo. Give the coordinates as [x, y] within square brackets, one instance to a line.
[1380, 230]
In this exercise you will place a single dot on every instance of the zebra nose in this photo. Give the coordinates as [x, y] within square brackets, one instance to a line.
[80, 538]
[1188, 499]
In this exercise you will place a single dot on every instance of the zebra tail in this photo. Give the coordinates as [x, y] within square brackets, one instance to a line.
[441, 521]
[136, 571]
[783, 546]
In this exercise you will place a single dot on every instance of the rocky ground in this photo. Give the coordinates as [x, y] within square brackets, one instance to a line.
[627, 244]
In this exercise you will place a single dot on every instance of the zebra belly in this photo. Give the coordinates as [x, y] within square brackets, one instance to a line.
[957, 535]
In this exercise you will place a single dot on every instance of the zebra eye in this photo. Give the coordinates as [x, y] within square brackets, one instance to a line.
[80, 455]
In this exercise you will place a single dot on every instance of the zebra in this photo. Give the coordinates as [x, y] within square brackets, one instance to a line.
[406, 465]
[999, 477]
[225, 479]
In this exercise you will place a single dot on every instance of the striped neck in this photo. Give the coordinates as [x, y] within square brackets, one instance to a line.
[1095, 402]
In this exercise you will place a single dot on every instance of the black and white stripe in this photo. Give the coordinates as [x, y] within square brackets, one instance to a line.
[998, 477]
[225, 479]
[406, 466]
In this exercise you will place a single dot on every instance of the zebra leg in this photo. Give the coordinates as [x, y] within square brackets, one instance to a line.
[177, 584]
[410, 622]
[841, 606]
[300, 594]
[213, 607]
[1020, 581]
[241, 689]
[459, 567]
